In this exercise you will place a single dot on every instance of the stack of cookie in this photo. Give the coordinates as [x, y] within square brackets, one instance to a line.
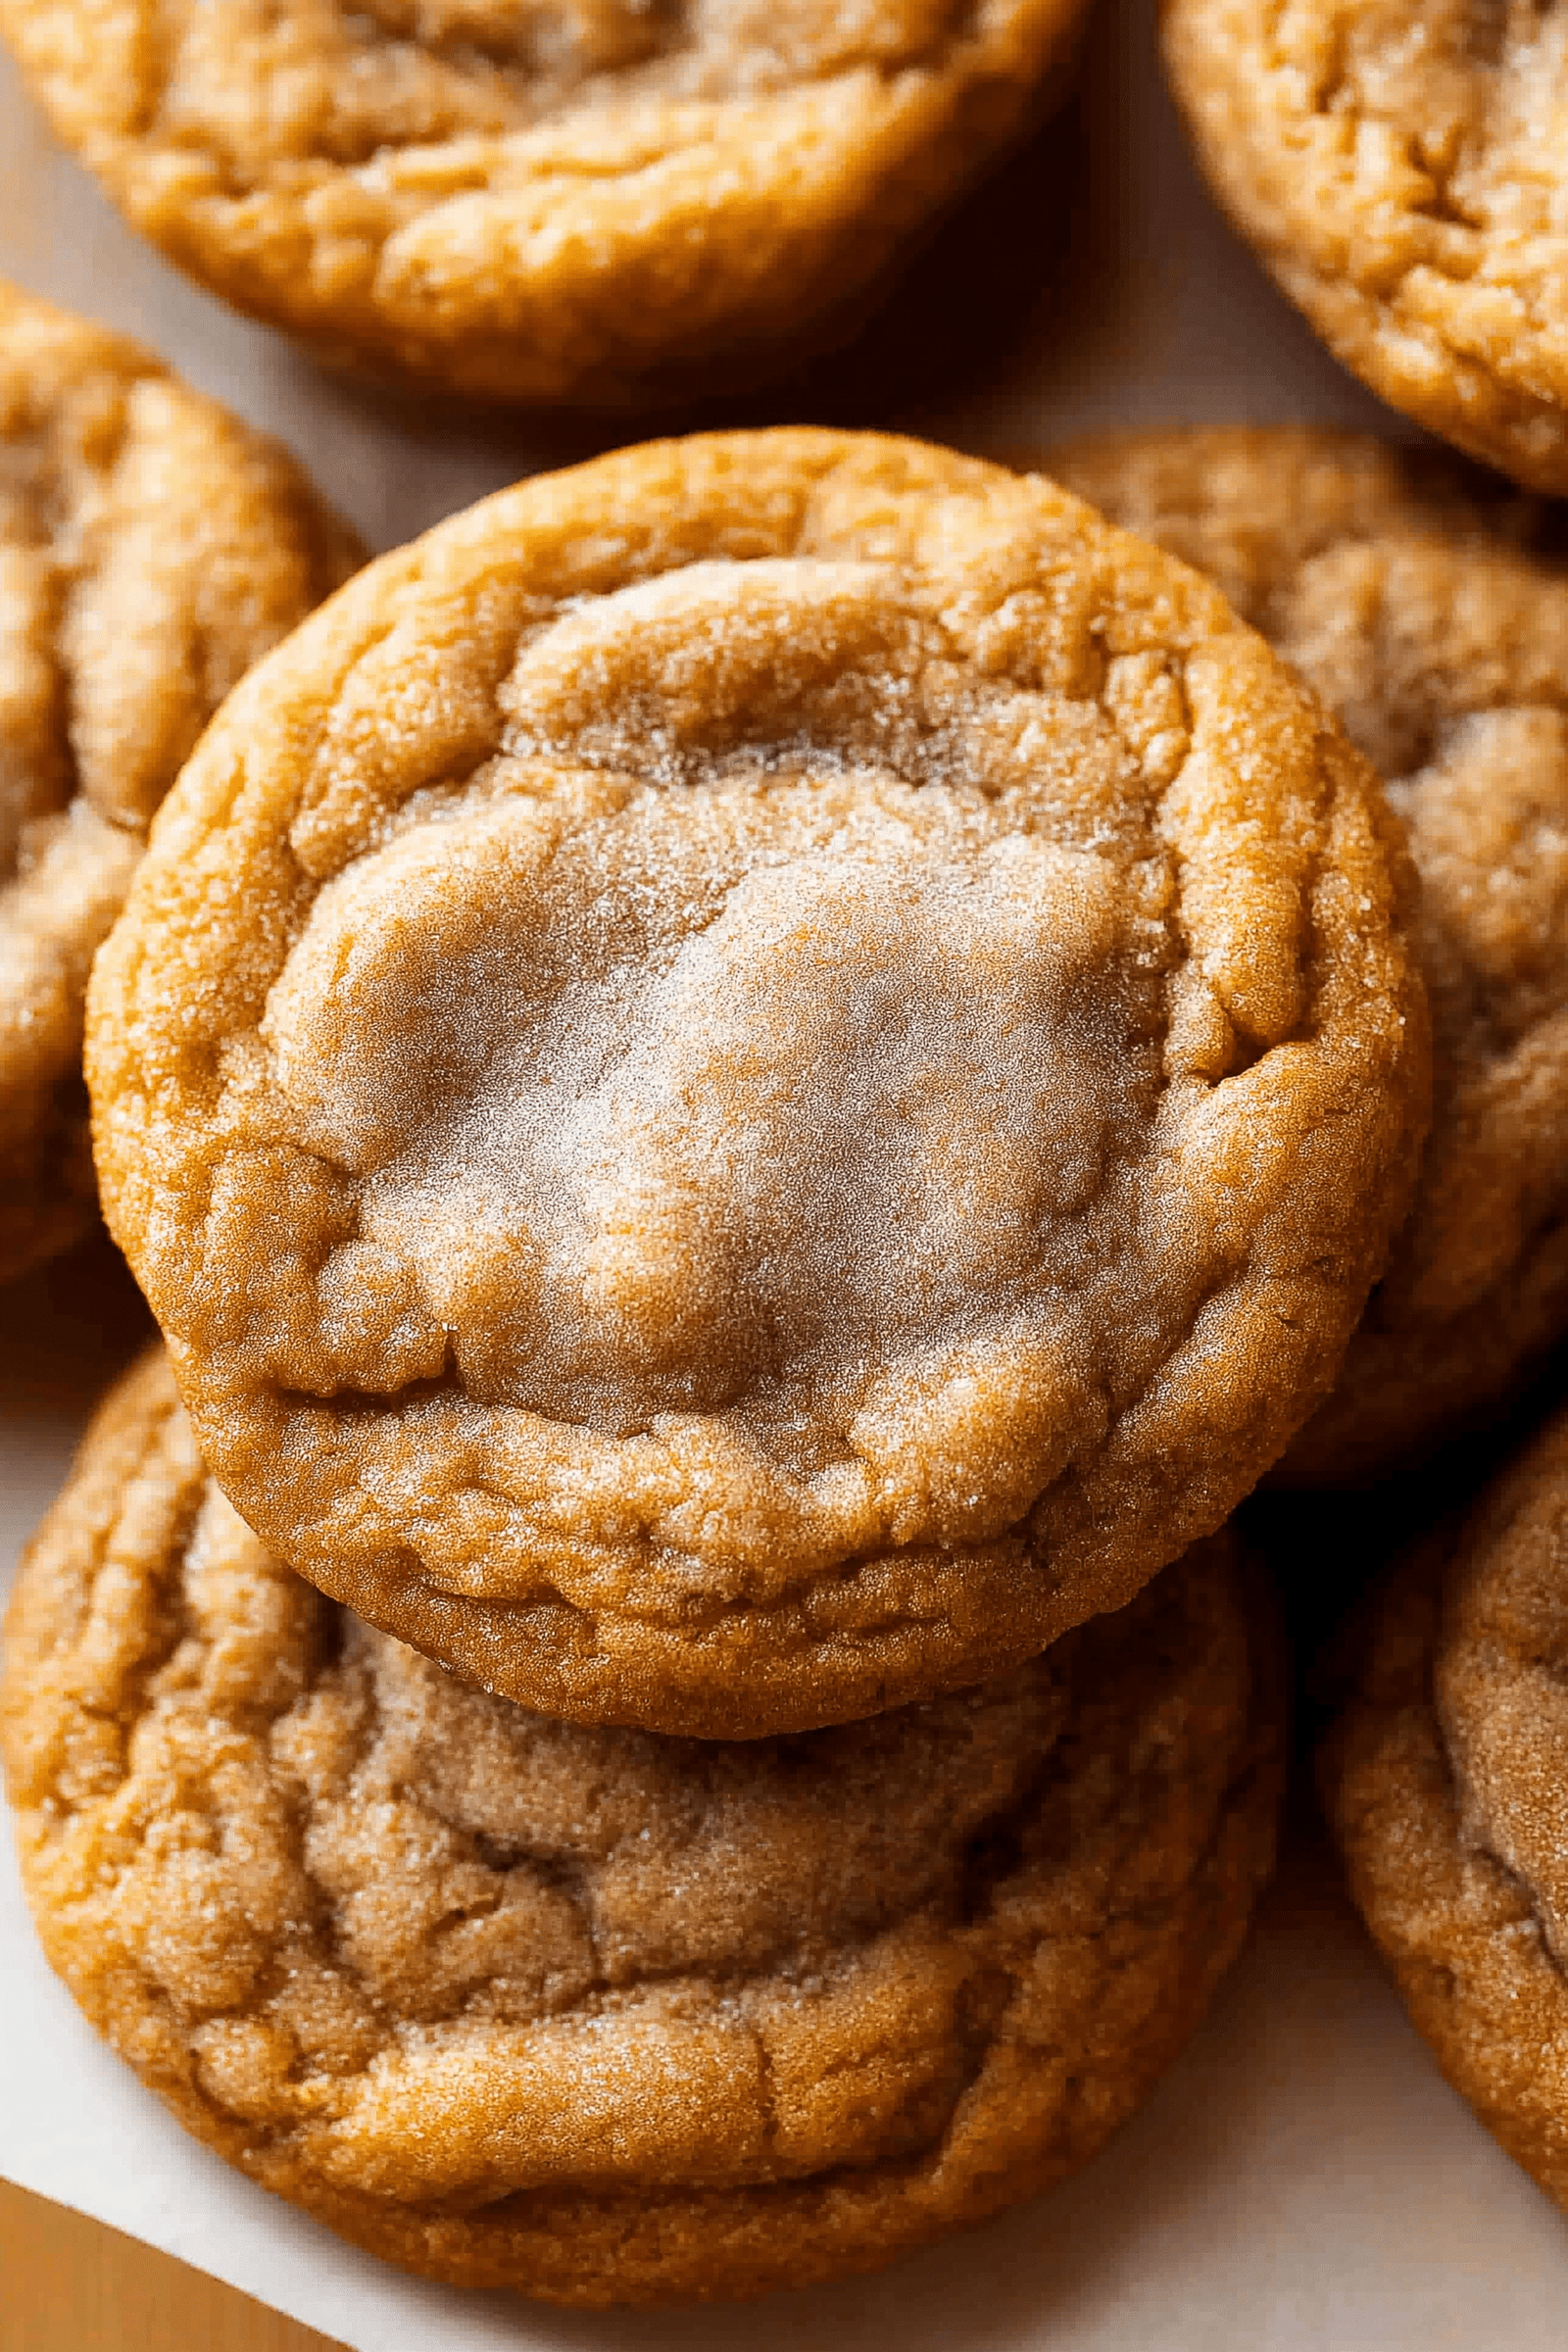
[753, 1087]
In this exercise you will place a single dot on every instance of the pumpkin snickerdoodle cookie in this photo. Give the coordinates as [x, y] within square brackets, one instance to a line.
[1405, 590]
[1447, 1782]
[758, 1075]
[1399, 167]
[541, 200]
[151, 548]
[589, 2013]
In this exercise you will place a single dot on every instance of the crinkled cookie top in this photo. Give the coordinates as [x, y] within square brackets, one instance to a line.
[561, 200]
[1410, 596]
[594, 2013]
[151, 549]
[758, 1076]
[1445, 1780]
[1399, 166]
[1499, 1676]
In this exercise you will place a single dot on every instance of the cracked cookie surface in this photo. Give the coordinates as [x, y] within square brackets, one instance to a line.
[1408, 592]
[1445, 1781]
[1395, 166]
[599, 2015]
[574, 200]
[758, 1076]
[151, 549]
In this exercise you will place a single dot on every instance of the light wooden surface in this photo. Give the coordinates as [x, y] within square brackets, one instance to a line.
[68, 2284]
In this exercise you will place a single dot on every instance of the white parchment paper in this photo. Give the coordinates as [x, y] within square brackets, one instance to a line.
[1304, 2181]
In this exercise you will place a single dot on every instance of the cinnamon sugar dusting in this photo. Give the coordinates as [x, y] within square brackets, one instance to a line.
[718, 1106]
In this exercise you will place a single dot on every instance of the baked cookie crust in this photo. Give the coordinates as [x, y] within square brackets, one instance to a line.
[151, 548]
[756, 1076]
[1395, 166]
[1446, 1784]
[592, 2014]
[1416, 598]
[596, 201]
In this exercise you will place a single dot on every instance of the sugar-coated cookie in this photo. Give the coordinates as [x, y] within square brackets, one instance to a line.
[756, 1076]
[541, 200]
[1400, 167]
[1448, 1781]
[151, 548]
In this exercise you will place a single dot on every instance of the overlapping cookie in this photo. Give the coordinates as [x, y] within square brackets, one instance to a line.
[1446, 1781]
[1399, 166]
[586, 200]
[756, 1076]
[151, 548]
[596, 2014]
[1409, 595]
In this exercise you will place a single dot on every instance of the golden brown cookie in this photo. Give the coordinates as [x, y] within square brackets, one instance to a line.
[756, 1076]
[600, 2016]
[1400, 167]
[1405, 591]
[1448, 1781]
[151, 548]
[591, 200]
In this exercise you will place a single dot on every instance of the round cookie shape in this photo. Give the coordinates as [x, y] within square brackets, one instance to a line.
[758, 1076]
[1408, 594]
[151, 548]
[1445, 1780]
[590, 2012]
[598, 201]
[1394, 165]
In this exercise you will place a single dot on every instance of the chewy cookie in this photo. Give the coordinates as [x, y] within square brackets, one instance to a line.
[1409, 597]
[600, 2016]
[756, 1076]
[1399, 165]
[1448, 1781]
[151, 548]
[594, 200]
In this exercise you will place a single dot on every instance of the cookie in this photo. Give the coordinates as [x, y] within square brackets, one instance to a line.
[1395, 166]
[756, 1076]
[589, 2013]
[1409, 595]
[598, 201]
[151, 548]
[1445, 1780]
